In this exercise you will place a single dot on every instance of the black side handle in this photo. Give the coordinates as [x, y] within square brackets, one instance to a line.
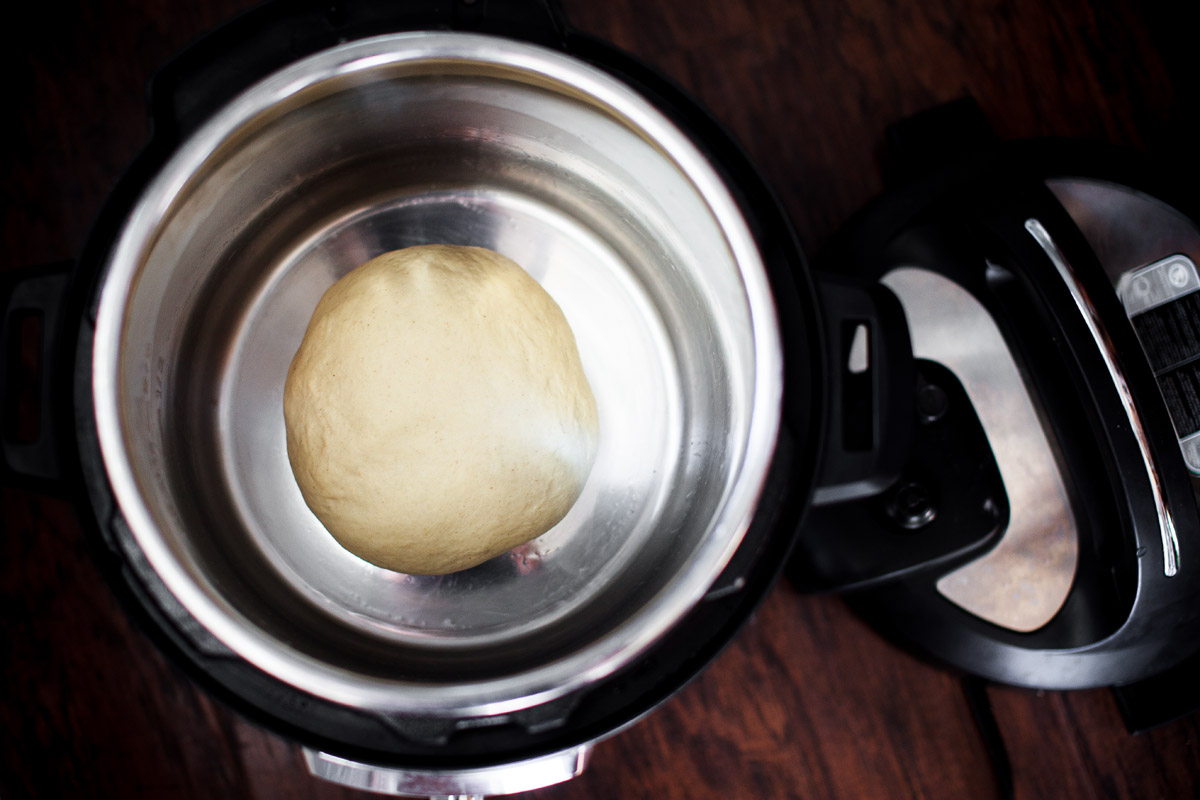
[872, 382]
[930, 139]
[32, 301]
[226, 61]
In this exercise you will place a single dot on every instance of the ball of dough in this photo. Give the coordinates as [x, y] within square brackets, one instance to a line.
[437, 411]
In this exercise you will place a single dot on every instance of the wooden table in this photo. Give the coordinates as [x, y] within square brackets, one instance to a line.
[808, 701]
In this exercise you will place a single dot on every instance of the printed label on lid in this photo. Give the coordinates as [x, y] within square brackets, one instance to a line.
[1163, 303]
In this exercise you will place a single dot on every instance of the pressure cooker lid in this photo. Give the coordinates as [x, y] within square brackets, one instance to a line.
[1039, 533]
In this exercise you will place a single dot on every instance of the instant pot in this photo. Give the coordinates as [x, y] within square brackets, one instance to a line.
[976, 415]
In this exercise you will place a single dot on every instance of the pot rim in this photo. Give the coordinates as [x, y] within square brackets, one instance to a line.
[507, 693]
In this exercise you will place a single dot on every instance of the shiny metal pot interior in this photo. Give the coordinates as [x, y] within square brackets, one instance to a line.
[402, 140]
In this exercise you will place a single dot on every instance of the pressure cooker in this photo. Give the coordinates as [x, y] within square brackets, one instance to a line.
[970, 414]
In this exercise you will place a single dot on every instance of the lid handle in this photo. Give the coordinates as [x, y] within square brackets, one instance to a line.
[872, 385]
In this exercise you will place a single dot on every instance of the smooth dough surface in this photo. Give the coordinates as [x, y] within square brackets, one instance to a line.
[437, 410]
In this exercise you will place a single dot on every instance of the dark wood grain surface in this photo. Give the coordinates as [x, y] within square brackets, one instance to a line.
[808, 702]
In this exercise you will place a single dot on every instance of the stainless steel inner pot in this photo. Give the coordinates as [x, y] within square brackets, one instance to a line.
[403, 140]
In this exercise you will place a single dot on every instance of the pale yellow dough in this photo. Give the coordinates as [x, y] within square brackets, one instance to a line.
[437, 411]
